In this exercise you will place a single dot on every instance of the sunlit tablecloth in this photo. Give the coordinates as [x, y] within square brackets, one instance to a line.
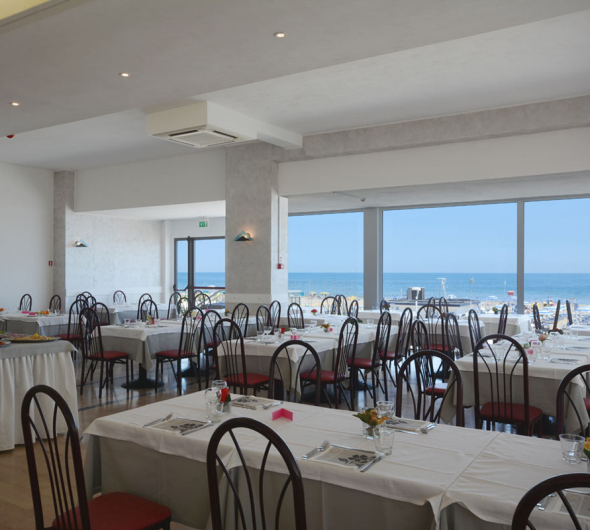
[515, 323]
[23, 366]
[50, 325]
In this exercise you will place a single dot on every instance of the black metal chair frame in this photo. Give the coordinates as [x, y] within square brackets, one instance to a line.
[329, 303]
[55, 303]
[435, 324]
[295, 316]
[148, 308]
[353, 309]
[538, 325]
[240, 315]
[275, 315]
[173, 302]
[103, 313]
[142, 298]
[26, 303]
[384, 306]
[342, 304]
[443, 305]
[556, 319]
[401, 349]
[474, 329]
[503, 320]
[119, 297]
[255, 503]
[570, 317]
[564, 401]
[203, 301]
[292, 372]
[208, 321]
[454, 344]
[263, 318]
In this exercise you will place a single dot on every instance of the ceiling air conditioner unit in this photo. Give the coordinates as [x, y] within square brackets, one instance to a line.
[198, 125]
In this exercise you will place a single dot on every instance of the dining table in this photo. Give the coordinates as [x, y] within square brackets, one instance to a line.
[30, 323]
[24, 365]
[449, 477]
[118, 313]
[515, 323]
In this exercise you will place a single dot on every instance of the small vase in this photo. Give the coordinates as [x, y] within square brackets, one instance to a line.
[226, 408]
[367, 431]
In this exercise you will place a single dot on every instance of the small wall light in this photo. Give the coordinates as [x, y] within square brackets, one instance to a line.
[243, 236]
[80, 243]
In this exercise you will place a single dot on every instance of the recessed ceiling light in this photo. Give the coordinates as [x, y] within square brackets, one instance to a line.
[125, 74]
[15, 103]
[280, 35]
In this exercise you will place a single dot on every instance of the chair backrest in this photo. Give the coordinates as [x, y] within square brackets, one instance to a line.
[26, 303]
[537, 318]
[383, 306]
[382, 335]
[148, 308]
[570, 317]
[203, 301]
[190, 333]
[500, 368]
[285, 380]
[240, 316]
[82, 297]
[565, 402]
[295, 316]
[443, 305]
[228, 342]
[435, 324]
[454, 344]
[208, 322]
[419, 336]
[45, 414]
[404, 330]
[551, 486]
[175, 297]
[182, 306]
[87, 293]
[263, 318]
[275, 314]
[342, 304]
[102, 311]
[346, 346]
[142, 299]
[90, 300]
[353, 310]
[55, 303]
[247, 511]
[556, 319]
[329, 306]
[503, 320]
[89, 330]
[423, 404]
[474, 329]
[119, 298]
[74, 315]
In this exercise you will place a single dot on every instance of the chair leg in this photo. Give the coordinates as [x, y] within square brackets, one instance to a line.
[100, 380]
[127, 373]
[179, 376]
[157, 366]
[384, 369]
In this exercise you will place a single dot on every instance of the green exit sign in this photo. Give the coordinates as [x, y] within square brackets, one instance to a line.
[203, 224]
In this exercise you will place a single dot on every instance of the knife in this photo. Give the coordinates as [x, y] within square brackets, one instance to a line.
[370, 464]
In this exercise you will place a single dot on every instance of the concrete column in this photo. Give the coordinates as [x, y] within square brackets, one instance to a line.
[252, 275]
[520, 257]
[63, 205]
[373, 257]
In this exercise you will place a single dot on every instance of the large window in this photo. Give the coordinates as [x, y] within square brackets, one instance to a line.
[456, 252]
[199, 263]
[326, 256]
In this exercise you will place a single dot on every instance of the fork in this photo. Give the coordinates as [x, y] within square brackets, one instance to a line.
[159, 420]
[320, 448]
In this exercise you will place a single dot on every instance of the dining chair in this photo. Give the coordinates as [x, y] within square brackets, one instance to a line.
[474, 329]
[342, 304]
[187, 350]
[203, 301]
[295, 316]
[148, 308]
[286, 381]
[329, 306]
[443, 305]
[570, 318]
[363, 365]
[275, 315]
[537, 318]
[142, 299]
[93, 353]
[208, 321]
[55, 303]
[73, 334]
[566, 403]
[551, 487]
[432, 316]
[230, 358]
[503, 320]
[430, 396]
[501, 385]
[173, 301]
[453, 337]
[419, 336]
[399, 353]
[263, 319]
[240, 315]
[45, 415]
[182, 306]
[87, 293]
[104, 316]
[82, 297]
[383, 306]
[90, 300]
[119, 298]
[556, 318]
[353, 310]
[254, 486]
[26, 302]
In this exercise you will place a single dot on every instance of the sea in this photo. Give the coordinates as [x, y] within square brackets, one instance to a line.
[482, 286]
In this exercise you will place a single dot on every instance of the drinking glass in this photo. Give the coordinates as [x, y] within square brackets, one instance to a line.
[267, 331]
[572, 446]
[536, 346]
[370, 322]
[383, 438]
[126, 322]
[314, 323]
[213, 404]
[385, 408]
[259, 335]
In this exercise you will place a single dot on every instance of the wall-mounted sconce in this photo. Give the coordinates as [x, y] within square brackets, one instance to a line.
[80, 244]
[243, 236]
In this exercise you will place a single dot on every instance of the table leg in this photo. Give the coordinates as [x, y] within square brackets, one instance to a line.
[143, 381]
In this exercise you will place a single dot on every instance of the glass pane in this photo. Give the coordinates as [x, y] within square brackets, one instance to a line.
[557, 254]
[326, 257]
[181, 265]
[460, 252]
[209, 258]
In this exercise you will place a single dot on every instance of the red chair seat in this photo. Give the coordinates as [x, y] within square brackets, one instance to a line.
[390, 356]
[363, 363]
[123, 511]
[587, 403]
[504, 410]
[439, 390]
[253, 379]
[327, 376]
[173, 354]
[109, 355]
[67, 336]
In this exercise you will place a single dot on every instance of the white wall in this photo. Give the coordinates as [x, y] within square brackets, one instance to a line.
[123, 254]
[198, 177]
[26, 241]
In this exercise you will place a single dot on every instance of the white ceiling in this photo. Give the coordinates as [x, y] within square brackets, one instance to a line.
[344, 64]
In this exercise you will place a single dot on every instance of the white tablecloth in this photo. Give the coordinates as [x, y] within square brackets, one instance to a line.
[514, 325]
[120, 312]
[49, 325]
[412, 488]
[23, 366]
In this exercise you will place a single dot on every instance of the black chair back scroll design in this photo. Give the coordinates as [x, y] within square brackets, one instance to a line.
[55, 303]
[329, 306]
[383, 306]
[240, 315]
[173, 301]
[565, 402]
[148, 308]
[401, 348]
[570, 317]
[454, 344]
[119, 298]
[556, 319]
[503, 320]
[353, 310]
[295, 316]
[26, 303]
[142, 299]
[252, 512]
[275, 315]
[537, 318]
[474, 329]
[104, 316]
[263, 318]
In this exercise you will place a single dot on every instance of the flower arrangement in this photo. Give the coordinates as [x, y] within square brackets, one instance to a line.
[149, 319]
[587, 449]
[326, 327]
[371, 419]
[225, 398]
[314, 312]
[227, 312]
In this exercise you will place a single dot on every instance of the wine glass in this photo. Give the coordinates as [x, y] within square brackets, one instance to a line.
[266, 332]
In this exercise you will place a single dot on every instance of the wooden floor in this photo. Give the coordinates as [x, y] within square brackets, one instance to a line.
[15, 496]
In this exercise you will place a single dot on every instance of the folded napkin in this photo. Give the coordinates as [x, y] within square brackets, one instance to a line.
[405, 424]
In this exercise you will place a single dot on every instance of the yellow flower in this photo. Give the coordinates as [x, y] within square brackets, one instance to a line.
[370, 417]
[587, 445]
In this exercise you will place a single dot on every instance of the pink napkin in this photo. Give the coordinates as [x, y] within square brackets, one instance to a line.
[282, 413]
